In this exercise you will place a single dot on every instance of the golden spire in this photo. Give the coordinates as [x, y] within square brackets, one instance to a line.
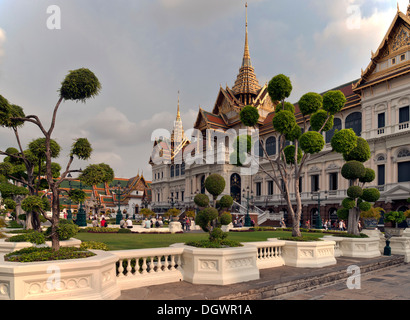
[246, 83]
[178, 113]
[246, 62]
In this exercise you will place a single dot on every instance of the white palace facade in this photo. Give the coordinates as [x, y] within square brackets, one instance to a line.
[377, 109]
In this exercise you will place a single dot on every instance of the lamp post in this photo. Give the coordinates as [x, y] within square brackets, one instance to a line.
[248, 198]
[69, 213]
[318, 224]
[118, 217]
[81, 216]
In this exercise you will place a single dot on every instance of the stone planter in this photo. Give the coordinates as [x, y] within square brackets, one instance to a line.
[360, 247]
[309, 254]
[370, 223]
[92, 278]
[394, 232]
[222, 266]
[401, 246]
[6, 247]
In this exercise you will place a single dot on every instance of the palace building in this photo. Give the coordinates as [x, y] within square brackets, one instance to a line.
[377, 109]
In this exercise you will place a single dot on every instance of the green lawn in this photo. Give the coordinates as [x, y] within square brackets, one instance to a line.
[124, 241]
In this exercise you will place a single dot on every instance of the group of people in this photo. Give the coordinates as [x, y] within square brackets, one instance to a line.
[99, 223]
[126, 223]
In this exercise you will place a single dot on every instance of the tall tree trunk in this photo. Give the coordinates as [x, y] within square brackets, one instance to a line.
[352, 225]
[55, 210]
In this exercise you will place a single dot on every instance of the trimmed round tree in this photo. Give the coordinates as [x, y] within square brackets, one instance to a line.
[288, 162]
[209, 218]
[359, 198]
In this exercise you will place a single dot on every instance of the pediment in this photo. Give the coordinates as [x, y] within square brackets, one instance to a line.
[397, 191]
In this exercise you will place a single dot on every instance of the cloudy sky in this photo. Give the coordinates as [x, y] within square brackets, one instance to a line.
[145, 51]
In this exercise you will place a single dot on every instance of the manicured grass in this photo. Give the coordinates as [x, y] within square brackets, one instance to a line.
[142, 241]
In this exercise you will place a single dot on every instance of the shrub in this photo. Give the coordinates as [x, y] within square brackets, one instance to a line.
[354, 192]
[370, 195]
[352, 170]
[205, 216]
[284, 122]
[214, 244]
[371, 213]
[217, 234]
[65, 230]
[310, 103]
[359, 153]
[249, 116]
[33, 237]
[294, 134]
[285, 106]
[94, 245]
[289, 152]
[226, 202]
[344, 141]
[311, 142]
[333, 101]
[80, 85]
[394, 216]
[348, 203]
[225, 218]
[318, 119]
[343, 213]
[369, 176]
[201, 200]
[364, 206]
[47, 254]
[215, 184]
[279, 87]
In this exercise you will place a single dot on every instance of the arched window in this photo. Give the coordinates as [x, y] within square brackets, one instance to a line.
[177, 170]
[258, 149]
[337, 125]
[183, 168]
[172, 171]
[403, 153]
[354, 121]
[271, 146]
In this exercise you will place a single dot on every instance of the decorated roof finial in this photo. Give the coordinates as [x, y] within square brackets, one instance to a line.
[178, 112]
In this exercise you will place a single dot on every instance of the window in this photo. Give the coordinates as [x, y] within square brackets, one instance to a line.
[177, 170]
[381, 120]
[404, 114]
[183, 168]
[354, 121]
[337, 125]
[172, 171]
[271, 146]
[403, 153]
[381, 175]
[300, 184]
[182, 195]
[258, 149]
[270, 188]
[333, 181]
[315, 183]
[258, 188]
[393, 61]
[402, 57]
[403, 171]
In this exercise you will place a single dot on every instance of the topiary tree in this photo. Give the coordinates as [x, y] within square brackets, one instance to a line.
[209, 218]
[79, 85]
[289, 162]
[359, 199]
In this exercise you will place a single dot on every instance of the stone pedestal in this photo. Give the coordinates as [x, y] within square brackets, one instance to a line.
[175, 226]
[222, 266]
[309, 254]
[401, 246]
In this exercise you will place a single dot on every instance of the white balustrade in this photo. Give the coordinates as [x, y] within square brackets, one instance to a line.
[269, 253]
[138, 268]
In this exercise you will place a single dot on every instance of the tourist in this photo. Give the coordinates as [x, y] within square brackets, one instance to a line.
[122, 223]
[188, 224]
[147, 223]
[307, 224]
[282, 223]
[325, 225]
[359, 225]
[341, 223]
[95, 222]
[129, 223]
[103, 223]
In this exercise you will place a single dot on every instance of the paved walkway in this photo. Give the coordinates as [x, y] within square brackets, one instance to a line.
[381, 278]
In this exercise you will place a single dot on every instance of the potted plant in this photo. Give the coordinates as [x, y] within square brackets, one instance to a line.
[371, 217]
[394, 217]
[174, 213]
